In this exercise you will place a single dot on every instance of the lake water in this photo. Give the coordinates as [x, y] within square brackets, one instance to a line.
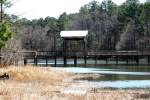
[114, 76]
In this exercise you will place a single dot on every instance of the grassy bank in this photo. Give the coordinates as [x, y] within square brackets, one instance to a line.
[38, 83]
[33, 74]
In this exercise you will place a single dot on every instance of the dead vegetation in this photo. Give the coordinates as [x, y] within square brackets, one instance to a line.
[86, 76]
[32, 74]
[38, 83]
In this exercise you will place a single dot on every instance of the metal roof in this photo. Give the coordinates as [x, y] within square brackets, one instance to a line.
[73, 34]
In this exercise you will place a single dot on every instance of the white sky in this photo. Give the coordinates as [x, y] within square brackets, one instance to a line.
[33, 9]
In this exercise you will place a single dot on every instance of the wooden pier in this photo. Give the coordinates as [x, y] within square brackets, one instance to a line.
[75, 47]
[101, 55]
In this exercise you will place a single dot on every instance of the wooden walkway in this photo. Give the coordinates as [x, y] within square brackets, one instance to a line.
[101, 55]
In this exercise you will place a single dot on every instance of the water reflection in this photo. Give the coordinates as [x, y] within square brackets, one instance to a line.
[103, 71]
[115, 76]
[119, 84]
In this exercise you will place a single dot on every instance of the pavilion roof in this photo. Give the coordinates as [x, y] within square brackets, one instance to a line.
[74, 34]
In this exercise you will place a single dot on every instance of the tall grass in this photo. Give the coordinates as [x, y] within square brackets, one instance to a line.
[38, 83]
[31, 73]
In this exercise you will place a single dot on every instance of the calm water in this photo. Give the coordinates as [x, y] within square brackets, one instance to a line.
[115, 76]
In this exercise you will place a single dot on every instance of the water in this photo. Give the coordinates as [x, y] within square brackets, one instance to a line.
[114, 76]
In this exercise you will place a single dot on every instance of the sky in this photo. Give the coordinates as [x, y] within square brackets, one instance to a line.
[34, 9]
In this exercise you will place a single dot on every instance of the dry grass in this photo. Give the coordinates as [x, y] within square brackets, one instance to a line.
[30, 73]
[37, 83]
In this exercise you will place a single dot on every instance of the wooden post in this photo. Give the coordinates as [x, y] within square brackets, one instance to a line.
[127, 61]
[65, 60]
[85, 52]
[55, 61]
[55, 50]
[25, 61]
[85, 60]
[106, 61]
[117, 60]
[35, 61]
[95, 60]
[46, 61]
[148, 60]
[137, 60]
[75, 61]
[64, 52]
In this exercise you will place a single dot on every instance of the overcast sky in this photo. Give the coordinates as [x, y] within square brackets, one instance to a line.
[33, 9]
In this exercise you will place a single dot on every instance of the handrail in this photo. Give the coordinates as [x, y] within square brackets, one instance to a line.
[28, 52]
[61, 53]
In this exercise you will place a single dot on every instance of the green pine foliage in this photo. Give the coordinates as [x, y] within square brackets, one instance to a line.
[5, 33]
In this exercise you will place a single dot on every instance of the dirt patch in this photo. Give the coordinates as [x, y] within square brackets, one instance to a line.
[142, 96]
[3, 93]
[87, 76]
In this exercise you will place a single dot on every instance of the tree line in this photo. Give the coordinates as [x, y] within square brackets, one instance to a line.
[110, 26]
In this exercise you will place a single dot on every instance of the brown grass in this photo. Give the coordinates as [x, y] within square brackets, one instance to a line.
[38, 83]
[30, 73]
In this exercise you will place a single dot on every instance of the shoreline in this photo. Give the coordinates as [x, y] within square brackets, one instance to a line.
[36, 83]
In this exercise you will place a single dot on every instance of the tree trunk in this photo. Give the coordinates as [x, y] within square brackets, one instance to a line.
[1, 23]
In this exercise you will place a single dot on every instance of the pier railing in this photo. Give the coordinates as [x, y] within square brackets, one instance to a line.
[82, 53]
[34, 54]
[117, 55]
